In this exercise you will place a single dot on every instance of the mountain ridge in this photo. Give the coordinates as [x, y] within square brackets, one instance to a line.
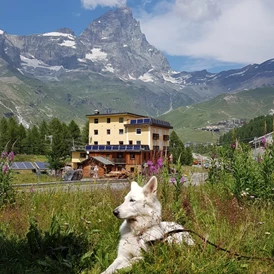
[110, 65]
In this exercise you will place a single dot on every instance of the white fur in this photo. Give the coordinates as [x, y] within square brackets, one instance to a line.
[141, 212]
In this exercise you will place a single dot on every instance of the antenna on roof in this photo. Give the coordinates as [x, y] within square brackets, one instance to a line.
[96, 111]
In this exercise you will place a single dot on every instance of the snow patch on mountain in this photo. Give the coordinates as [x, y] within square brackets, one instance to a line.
[68, 43]
[35, 63]
[1, 32]
[96, 55]
[58, 34]
[109, 68]
[169, 78]
[147, 77]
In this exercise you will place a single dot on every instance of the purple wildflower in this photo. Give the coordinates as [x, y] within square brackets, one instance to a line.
[173, 181]
[213, 155]
[182, 179]
[160, 162]
[149, 163]
[233, 145]
[4, 154]
[5, 169]
[11, 156]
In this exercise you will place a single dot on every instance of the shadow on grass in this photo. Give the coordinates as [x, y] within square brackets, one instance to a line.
[53, 251]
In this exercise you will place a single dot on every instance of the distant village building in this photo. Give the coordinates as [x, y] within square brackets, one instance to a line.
[120, 143]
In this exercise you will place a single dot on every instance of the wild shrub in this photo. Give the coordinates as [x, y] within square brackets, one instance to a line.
[6, 191]
[60, 250]
[248, 177]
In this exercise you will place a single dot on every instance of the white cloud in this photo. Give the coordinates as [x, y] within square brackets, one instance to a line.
[92, 4]
[240, 31]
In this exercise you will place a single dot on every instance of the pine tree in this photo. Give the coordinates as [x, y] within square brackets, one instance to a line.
[85, 133]
[44, 138]
[3, 133]
[177, 148]
[21, 143]
[12, 134]
[59, 148]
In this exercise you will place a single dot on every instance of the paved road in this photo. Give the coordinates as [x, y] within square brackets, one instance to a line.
[197, 178]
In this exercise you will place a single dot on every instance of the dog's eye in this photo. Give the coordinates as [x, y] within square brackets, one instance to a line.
[132, 200]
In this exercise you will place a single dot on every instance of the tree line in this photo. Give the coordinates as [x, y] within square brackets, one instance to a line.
[53, 139]
[256, 127]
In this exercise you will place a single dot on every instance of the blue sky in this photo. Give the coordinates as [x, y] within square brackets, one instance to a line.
[194, 35]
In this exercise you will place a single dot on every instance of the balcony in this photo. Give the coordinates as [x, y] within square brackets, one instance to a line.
[118, 160]
[166, 137]
[156, 136]
[156, 148]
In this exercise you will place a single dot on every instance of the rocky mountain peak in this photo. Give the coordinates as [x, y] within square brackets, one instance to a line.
[66, 31]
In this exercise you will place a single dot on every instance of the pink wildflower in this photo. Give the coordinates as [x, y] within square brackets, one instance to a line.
[5, 169]
[11, 156]
[4, 154]
[149, 163]
[160, 162]
[182, 179]
[173, 181]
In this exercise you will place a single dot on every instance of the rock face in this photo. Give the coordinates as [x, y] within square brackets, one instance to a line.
[113, 44]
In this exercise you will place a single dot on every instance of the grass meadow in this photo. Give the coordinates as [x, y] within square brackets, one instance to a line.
[75, 232]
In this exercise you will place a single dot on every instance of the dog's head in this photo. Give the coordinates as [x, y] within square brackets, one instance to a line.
[140, 202]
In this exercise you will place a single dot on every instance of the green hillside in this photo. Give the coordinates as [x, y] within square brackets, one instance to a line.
[243, 105]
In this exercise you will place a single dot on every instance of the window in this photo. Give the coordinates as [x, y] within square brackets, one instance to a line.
[108, 131]
[121, 120]
[83, 155]
[121, 131]
[95, 143]
[130, 142]
[132, 156]
[121, 142]
[138, 130]
[138, 142]
[95, 131]
[132, 169]
[108, 143]
[96, 121]
[108, 120]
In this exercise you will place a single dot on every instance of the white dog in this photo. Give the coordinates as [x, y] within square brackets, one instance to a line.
[141, 212]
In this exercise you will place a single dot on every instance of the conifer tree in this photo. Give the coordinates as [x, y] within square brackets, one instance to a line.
[3, 133]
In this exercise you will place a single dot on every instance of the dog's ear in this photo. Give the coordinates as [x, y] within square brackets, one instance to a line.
[151, 186]
[134, 185]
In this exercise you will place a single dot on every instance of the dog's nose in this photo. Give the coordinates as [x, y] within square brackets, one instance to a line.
[116, 212]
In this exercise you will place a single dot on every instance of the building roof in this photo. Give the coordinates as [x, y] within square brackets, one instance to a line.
[132, 148]
[114, 114]
[103, 160]
[149, 121]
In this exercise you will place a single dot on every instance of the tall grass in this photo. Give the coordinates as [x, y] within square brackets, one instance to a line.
[76, 232]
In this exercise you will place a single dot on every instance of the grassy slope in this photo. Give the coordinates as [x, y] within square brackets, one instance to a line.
[245, 105]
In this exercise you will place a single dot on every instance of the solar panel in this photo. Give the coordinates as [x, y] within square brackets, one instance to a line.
[28, 165]
[42, 165]
[108, 147]
[122, 147]
[146, 120]
[101, 147]
[132, 122]
[140, 121]
[115, 147]
[22, 165]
